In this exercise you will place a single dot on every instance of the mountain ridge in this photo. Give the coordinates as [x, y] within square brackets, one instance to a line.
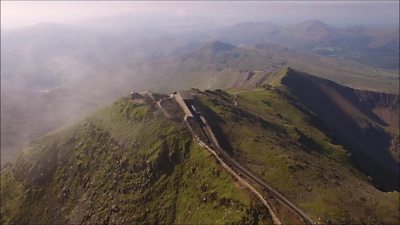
[267, 132]
[355, 121]
[101, 169]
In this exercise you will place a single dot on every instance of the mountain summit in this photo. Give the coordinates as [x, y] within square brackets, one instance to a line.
[125, 164]
[314, 25]
[159, 158]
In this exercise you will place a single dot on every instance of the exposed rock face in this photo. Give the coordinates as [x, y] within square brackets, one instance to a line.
[385, 106]
[360, 120]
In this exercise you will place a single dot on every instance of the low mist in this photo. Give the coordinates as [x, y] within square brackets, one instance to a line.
[59, 63]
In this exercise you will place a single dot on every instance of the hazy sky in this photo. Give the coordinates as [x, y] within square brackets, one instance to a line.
[24, 13]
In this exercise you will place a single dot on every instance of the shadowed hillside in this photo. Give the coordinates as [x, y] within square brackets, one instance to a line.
[130, 163]
[280, 142]
[360, 120]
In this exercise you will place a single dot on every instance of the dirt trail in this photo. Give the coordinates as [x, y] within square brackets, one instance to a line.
[165, 112]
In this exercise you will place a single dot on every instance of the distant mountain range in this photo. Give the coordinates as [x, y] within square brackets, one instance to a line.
[221, 65]
[310, 109]
[34, 74]
[46, 55]
[373, 46]
[54, 67]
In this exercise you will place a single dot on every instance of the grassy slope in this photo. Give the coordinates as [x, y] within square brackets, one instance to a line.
[290, 154]
[124, 165]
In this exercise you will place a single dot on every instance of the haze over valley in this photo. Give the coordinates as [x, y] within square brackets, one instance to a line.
[255, 116]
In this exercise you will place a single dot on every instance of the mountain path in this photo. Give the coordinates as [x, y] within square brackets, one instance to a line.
[243, 171]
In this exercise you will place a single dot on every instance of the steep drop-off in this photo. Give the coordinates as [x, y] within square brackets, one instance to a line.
[283, 144]
[364, 122]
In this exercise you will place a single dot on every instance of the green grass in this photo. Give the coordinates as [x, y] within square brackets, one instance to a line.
[275, 108]
[276, 79]
[208, 183]
[12, 190]
[125, 165]
[320, 180]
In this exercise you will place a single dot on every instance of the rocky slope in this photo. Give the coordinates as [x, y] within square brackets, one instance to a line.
[359, 120]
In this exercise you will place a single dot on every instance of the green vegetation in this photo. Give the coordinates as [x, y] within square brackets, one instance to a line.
[281, 144]
[128, 164]
[125, 164]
